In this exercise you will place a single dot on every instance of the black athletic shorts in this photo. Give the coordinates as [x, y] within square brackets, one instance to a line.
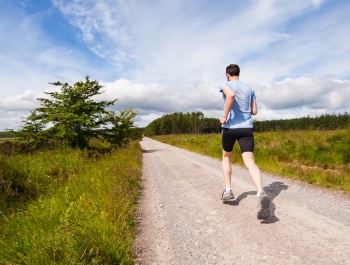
[244, 136]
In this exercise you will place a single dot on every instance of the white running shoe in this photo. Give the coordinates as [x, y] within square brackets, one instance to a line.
[264, 202]
[227, 195]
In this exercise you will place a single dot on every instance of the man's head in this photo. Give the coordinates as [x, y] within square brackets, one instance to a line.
[232, 70]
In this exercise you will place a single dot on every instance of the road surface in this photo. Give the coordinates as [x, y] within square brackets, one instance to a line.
[183, 221]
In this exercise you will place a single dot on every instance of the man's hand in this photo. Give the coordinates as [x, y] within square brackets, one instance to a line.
[223, 119]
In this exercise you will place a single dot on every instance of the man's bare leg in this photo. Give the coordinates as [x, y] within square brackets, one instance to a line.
[254, 171]
[226, 167]
[263, 199]
[227, 194]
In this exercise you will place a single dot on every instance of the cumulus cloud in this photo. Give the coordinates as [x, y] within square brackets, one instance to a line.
[324, 92]
[162, 98]
[290, 98]
[11, 119]
[24, 102]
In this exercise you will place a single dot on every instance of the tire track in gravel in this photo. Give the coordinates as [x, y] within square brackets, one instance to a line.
[183, 221]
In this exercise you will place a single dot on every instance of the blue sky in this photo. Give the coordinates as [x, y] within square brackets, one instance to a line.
[160, 57]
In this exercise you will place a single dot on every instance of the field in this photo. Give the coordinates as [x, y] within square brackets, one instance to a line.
[2, 140]
[67, 206]
[320, 158]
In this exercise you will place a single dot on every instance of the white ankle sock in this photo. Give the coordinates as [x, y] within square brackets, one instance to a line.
[259, 193]
[228, 189]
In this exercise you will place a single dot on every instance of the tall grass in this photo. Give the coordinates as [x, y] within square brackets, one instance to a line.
[317, 157]
[80, 208]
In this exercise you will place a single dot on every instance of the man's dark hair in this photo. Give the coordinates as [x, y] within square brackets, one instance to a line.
[233, 70]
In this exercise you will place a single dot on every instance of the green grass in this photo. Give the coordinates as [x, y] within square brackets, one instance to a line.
[67, 206]
[70, 207]
[317, 157]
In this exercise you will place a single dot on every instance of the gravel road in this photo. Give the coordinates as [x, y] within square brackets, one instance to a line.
[183, 221]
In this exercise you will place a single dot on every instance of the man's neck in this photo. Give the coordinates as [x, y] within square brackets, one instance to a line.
[232, 78]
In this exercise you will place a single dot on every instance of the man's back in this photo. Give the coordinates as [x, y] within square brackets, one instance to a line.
[240, 115]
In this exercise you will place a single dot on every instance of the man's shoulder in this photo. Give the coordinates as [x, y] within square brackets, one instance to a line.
[244, 83]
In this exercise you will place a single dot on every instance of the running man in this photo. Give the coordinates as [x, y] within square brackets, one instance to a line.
[237, 125]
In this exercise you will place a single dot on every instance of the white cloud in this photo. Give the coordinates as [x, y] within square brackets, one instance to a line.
[104, 26]
[11, 119]
[165, 98]
[143, 120]
[23, 102]
[178, 40]
[30, 58]
[291, 98]
[323, 92]
[317, 3]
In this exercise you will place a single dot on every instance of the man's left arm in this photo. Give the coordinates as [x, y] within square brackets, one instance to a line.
[230, 97]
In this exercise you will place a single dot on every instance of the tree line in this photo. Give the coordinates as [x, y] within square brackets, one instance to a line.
[196, 123]
[6, 134]
[323, 122]
[179, 123]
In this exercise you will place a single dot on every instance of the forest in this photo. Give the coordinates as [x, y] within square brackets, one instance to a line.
[323, 122]
[179, 123]
[196, 123]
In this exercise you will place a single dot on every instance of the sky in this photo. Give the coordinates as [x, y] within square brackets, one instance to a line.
[164, 56]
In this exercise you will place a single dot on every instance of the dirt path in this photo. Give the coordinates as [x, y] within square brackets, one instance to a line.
[183, 221]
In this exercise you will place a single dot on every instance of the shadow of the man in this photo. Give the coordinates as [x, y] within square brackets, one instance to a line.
[148, 151]
[273, 190]
[239, 198]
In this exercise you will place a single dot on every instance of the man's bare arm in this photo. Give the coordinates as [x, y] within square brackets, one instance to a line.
[254, 108]
[230, 97]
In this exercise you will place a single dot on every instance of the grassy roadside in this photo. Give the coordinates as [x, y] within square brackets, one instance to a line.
[78, 207]
[317, 157]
